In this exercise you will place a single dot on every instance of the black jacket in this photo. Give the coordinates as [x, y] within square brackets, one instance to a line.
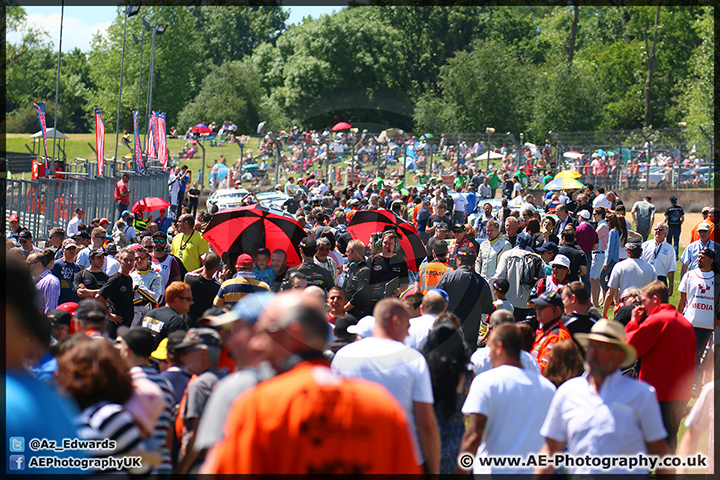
[357, 287]
[470, 297]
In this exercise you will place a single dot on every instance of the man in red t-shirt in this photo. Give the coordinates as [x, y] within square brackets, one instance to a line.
[122, 194]
[665, 342]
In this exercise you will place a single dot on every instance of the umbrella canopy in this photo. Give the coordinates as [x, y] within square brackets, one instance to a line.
[248, 228]
[564, 183]
[341, 126]
[568, 174]
[389, 133]
[366, 222]
[426, 136]
[150, 204]
[573, 154]
[51, 134]
[493, 155]
[201, 128]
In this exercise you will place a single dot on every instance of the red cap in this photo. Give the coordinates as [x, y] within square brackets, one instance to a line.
[14, 218]
[244, 259]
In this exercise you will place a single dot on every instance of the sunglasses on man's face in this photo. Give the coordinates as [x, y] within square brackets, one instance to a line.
[159, 240]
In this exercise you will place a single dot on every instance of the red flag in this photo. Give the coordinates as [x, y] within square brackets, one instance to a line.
[150, 144]
[99, 142]
[162, 153]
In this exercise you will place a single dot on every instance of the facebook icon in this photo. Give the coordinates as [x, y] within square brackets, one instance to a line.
[17, 462]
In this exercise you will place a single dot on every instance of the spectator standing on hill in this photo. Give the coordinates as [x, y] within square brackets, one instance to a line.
[674, 217]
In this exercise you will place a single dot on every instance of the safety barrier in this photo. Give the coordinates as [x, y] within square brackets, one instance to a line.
[46, 203]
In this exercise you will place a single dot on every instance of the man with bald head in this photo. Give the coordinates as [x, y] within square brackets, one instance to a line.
[384, 359]
[327, 410]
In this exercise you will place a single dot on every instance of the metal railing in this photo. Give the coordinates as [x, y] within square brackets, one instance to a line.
[46, 203]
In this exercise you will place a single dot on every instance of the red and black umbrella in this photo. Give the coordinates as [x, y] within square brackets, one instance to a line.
[150, 204]
[366, 222]
[248, 228]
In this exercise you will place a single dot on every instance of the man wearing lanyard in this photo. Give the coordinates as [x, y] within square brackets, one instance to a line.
[189, 245]
[661, 255]
[689, 257]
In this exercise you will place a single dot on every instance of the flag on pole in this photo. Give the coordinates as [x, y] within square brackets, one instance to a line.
[40, 109]
[162, 153]
[151, 146]
[99, 142]
[139, 163]
[156, 137]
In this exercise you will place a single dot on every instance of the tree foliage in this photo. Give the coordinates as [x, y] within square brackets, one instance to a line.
[429, 67]
[230, 91]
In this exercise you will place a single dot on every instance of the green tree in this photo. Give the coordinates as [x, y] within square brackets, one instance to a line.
[430, 35]
[566, 99]
[179, 66]
[230, 91]
[479, 87]
[231, 33]
[348, 66]
[698, 101]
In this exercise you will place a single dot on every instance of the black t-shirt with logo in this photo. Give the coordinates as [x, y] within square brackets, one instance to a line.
[91, 280]
[674, 213]
[382, 270]
[163, 321]
[119, 290]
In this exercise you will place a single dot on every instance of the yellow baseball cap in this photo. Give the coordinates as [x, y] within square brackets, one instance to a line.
[160, 352]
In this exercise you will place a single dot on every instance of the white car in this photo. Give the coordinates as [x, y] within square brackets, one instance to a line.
[226, 198]
[272, 199]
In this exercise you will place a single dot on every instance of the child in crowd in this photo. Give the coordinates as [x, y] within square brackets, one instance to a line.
[500, 289]
[262, 271]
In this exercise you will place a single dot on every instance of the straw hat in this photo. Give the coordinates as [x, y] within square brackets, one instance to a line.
[609, 332]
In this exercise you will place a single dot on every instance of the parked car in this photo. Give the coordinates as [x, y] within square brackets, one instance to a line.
[272, 199]
[226, 198]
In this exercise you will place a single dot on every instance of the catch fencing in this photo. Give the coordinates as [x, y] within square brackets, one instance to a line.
[46, 203]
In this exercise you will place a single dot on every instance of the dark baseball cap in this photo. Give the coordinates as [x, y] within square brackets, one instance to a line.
[96, 252]
[441, 226]
[91, 310]
[25, 235]
[83, 235]
[59, 317]
[159, 234]
[141, 341]
[501, 285]
[552, 298]
[111, 249]
[466, 253]
[708, 252]
[308, 244]
[548, 247]
[200, 336]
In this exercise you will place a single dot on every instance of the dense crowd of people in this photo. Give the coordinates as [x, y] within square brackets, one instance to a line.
[540, 327]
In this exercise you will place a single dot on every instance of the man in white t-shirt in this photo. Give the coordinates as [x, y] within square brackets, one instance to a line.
[601, 200]
[480, 359]
[459, 206]
[631, 272]
[433, 304]
[402, 370]
[604, 412]
[698, 297]
[72, 227]
[501, 420]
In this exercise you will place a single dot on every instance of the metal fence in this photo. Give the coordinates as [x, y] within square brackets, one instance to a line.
[46, 203]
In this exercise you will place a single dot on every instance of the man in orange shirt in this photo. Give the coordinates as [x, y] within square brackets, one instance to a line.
[549, 310]
[709, 217]
[322, 423]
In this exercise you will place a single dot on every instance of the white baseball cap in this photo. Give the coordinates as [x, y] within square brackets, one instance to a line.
[561, 260]
[364, 327]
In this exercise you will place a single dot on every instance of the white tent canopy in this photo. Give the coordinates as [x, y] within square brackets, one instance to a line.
[51, 134]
